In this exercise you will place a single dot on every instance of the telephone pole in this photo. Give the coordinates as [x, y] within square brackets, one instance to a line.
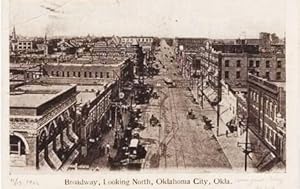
[219, 90]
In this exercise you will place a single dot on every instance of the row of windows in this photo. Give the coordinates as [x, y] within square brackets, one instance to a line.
[24, 47]
[267, 75]
[78, 74]
[251, 63]
[24, 43]
[270, 106]
[140, 40]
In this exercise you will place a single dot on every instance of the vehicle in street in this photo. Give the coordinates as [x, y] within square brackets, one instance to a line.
[133, 145]
[190, 114]
[153, 121]
[170, 83]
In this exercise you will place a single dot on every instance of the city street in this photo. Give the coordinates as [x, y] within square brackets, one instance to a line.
[179, 142]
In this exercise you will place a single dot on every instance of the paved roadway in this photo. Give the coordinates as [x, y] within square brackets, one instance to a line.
[179, 142]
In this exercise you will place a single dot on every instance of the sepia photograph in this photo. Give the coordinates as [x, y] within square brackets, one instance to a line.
[137, 85]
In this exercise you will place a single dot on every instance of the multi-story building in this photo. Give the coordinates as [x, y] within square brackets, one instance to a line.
[235, 66]
[108, 70]
[267, 113]
[93, 107]
[41, 126]
[141, 40]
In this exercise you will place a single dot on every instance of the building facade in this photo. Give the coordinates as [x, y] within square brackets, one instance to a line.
[42, 126]
[267, 115]
[235, 66]
[110, 71]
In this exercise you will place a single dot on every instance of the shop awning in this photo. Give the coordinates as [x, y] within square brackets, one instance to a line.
[72, 135]
[210, 93]
[58, 142]
[43, 165]
[66, 138]
[53, 156]
[70, 160]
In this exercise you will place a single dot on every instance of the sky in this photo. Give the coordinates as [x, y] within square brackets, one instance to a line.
[163, 18]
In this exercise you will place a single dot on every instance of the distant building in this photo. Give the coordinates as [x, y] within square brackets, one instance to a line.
[23, 45]
[235, 66]
[189, 44]
[110, 70]
[25, 72]
[41, 126]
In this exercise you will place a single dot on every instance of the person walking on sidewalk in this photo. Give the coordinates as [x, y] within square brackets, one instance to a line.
[107, 148]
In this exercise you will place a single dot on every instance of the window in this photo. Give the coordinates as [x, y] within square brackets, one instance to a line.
[101, 75]
[257, 63]
[17, 146]
[107, 74]
[68, 74]
[96, 74]
[226, 74]
[238, 63]
[257, 73]
[268, 64]
[226, 63]
[268, 75]
[278, 64]
[63, 73]
[278, 75]
[85, 75]
[52, 73]
[78, 74]
[251, 63]
[238, 75]
[90, 74]
[74, 74]
[57, 73]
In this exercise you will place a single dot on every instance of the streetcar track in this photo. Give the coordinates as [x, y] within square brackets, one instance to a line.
[177, 120]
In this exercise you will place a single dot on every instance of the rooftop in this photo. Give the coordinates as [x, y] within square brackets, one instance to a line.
[88, 93]
[32, 96]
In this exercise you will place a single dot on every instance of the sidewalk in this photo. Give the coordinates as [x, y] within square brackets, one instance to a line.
[233, 152]
[94, 159]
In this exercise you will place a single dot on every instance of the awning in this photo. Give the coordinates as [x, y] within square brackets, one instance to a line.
[73, 136]
[66, 138]
[43, 165]
[210, 93]
[53, 156]
[70, 160]
[225, 112]
[58, 142]
[267, 162]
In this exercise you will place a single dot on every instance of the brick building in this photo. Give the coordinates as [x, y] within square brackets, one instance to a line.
[235, 66]
[267, 113]
[42, 126]
[108, 70]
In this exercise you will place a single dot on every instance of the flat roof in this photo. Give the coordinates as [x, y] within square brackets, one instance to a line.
[88, 93]
[32, 96]
[87, 63]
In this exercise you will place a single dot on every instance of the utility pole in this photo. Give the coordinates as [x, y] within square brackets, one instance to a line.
[247, 128]
[219, 90]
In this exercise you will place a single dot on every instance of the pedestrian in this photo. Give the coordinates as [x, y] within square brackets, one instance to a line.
[107, 148]
[226, 133]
